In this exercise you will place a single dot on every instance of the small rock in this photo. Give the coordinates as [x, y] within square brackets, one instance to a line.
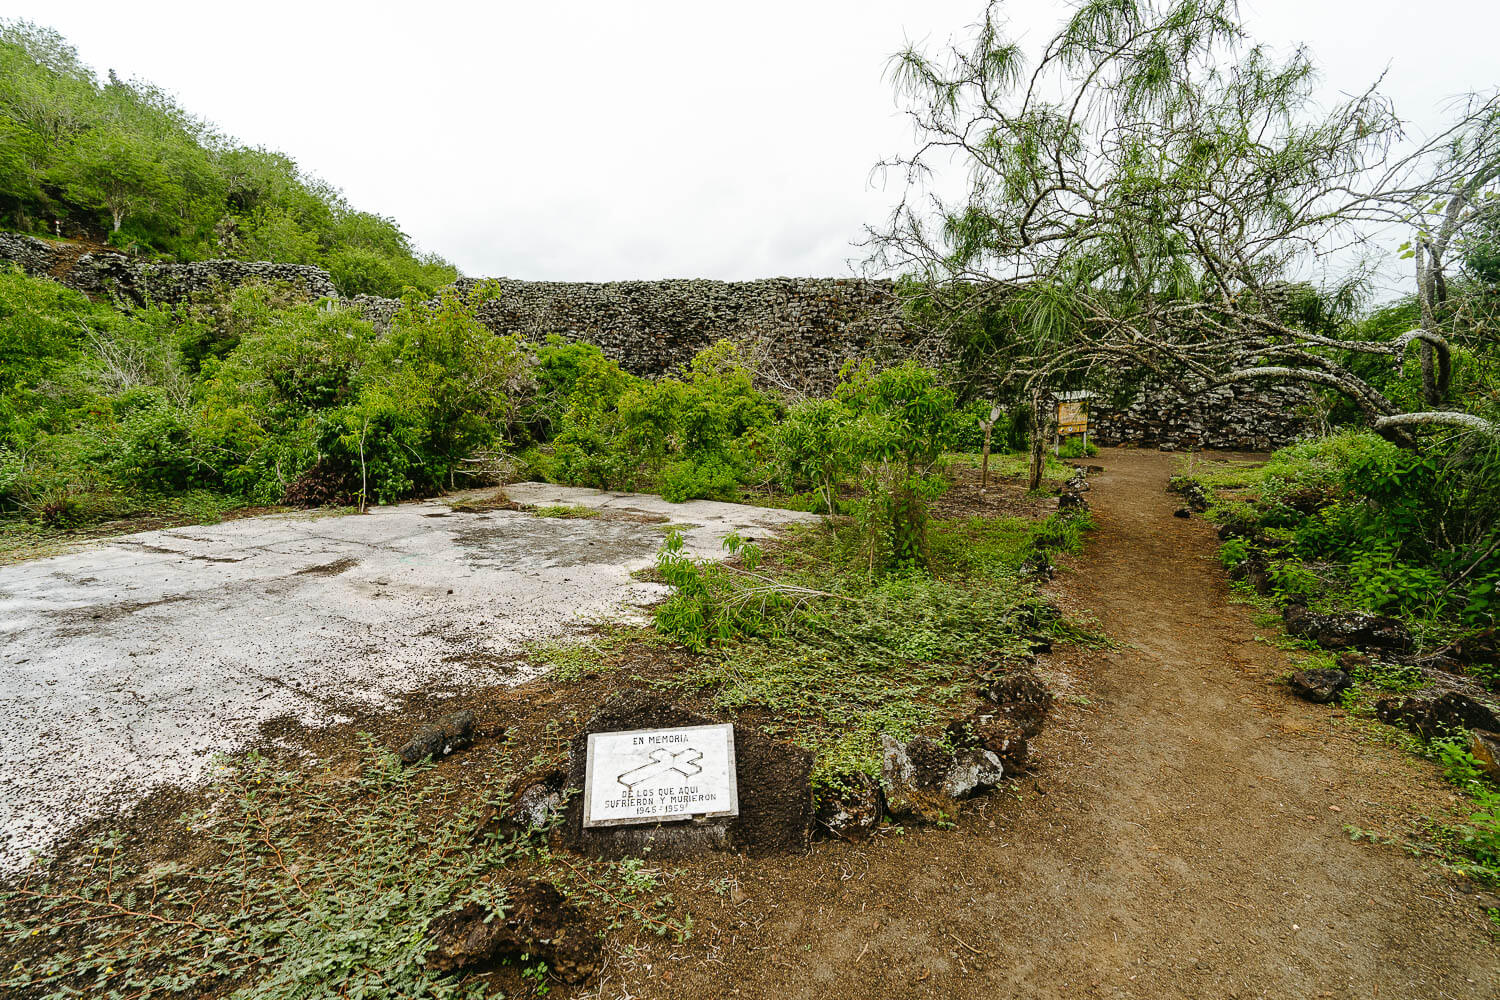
[1319, 686]
[995, 732]
[852, 812]
[1450, 703]
[1190, 490]
[540, 798]
[912, 776]
[1482, 646]
[1485, 746]
[974, 770]
[448, 735]
[1021, 696]
[1038, 566]
[1182, 512]
[1352, 661]
[537, 921]
[1072, 502]
[1347, 630]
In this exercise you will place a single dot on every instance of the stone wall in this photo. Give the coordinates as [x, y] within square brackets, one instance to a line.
[1242, 417]
[798, 331]
[128, 282]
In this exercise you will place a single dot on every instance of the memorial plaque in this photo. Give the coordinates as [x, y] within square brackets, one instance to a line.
[657, 775]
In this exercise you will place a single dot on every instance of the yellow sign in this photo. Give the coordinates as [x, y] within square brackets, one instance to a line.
[1073, 417]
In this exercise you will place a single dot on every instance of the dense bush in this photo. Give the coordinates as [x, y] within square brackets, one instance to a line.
[1353, 519]
[106, 414]
[120, 160]
[690, 436]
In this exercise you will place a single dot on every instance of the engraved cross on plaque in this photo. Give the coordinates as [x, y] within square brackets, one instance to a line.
[662, 761]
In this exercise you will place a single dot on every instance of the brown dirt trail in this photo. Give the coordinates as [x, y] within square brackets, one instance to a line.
[1182, 836]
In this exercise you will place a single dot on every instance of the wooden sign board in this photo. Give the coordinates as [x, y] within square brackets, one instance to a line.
[660, 775]
[1073, 417]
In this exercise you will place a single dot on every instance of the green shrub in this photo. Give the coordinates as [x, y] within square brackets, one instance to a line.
[1415, 534]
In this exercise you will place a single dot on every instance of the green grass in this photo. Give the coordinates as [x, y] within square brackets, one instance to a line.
[897, 654]
[565, 512]
[570, 659]
[1015, 464]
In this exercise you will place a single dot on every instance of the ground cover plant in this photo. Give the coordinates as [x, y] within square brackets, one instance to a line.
[1353, 522]
[832, 657]
[261, 906]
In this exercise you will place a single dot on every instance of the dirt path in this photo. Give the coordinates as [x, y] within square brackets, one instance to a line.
[1182, 837]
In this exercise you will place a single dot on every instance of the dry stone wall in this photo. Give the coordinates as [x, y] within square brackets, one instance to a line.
[799, 331]
[128, 282]
[1230, 418]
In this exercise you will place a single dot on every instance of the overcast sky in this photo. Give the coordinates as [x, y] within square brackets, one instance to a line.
[607, 140]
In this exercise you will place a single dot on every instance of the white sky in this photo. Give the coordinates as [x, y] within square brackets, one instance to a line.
[596, 140]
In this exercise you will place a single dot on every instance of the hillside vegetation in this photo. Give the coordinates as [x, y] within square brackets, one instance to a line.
[123, 161]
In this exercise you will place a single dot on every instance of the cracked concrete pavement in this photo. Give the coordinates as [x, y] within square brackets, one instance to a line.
[130, 664]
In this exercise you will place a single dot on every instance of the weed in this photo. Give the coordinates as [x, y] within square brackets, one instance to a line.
[565, 512]
[844, 657]
[296, 889]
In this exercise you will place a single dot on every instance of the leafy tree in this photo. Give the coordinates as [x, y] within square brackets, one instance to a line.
[1141, 187]
[116, 171]
[904, 420]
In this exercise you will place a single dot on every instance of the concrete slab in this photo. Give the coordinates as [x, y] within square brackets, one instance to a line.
[130, 664]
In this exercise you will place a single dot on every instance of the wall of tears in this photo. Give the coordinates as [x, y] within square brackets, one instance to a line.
[799, 332]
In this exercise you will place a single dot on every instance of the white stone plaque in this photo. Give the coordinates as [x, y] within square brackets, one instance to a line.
[656, 775]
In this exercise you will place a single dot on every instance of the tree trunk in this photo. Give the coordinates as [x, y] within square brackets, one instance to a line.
[984, 463]
[1038, 440]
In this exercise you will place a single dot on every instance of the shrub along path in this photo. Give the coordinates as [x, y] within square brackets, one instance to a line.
[1183, 836]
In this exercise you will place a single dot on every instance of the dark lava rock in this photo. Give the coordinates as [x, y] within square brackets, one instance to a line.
[1352, 661]
[774, 781]
[922, 779]
[1450, 703]
[1072, 502]
[1191, 491]
[539, 799]
[1347, 630]
[1000, 734]
[448, 735]
[537, 921]
[1255, 572]
[1077, 484]
[1038, 566]
[1476, 648]
[1319, 686]
[853, 812]
[1182, 512]
[1020, 696]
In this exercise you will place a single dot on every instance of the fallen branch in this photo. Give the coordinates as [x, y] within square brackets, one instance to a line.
[1428, 418]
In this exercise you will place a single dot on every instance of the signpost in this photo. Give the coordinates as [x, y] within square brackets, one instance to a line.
[660, 775]
[1073, 416]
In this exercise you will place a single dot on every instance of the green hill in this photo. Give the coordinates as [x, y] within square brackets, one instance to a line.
[123, 162]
